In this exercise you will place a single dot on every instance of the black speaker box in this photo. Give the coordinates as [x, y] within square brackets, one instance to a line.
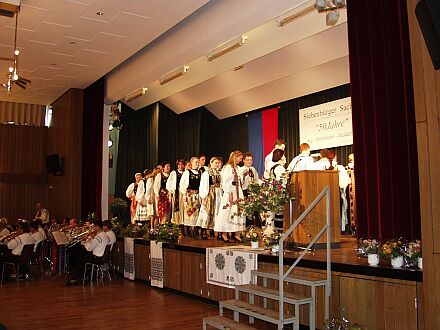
[428, 15]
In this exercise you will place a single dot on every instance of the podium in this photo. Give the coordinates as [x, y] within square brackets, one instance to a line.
[305, 186]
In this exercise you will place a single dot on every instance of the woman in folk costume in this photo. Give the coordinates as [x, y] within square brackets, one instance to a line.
[131, 195]
[144, 210]
[189, 188]
[230, 218]
[278, 161]
[161, 193]
[174, 195]
[155, 213]
[210, 192]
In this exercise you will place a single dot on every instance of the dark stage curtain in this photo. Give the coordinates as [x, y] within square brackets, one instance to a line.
[137, 145]
[288, 119]
[383, 119]
[179, 135]
[93, 112]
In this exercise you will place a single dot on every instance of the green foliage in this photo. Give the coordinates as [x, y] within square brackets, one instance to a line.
[119, 208]
[269, 196]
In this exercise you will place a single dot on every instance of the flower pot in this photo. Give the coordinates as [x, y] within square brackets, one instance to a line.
[275, 249]
[254, 245]
[373, 259]
[397, 262]
[270, 223]
[419, 263]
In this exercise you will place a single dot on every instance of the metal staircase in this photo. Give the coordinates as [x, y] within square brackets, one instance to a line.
[282, 316]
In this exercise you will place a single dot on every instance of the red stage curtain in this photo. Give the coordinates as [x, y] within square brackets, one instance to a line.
[383, 119]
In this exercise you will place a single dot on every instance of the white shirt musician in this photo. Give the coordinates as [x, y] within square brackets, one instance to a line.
[98, 244]
[24, 238]
[107, 227]
[36, 235]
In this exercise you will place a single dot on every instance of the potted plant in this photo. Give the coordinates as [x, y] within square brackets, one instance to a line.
[371, 249]
[269, 199]
[119, 208]
[413, 253]
[253, 235]
[165, 232]
[271, 241]
[393, 250]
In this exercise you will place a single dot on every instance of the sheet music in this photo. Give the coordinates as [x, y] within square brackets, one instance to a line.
[60, 238]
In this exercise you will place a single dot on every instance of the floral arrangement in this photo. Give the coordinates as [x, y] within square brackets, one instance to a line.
[269, 196]
[392, 249]
[413, 250]
[119, 208]
[272, 239]
[135, 231]
[164, 233]
[368, 246]
[252, 234]
[117, 226]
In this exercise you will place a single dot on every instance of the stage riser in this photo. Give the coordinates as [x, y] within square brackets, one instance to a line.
[377, 302]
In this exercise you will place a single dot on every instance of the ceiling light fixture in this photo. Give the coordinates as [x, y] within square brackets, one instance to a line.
[296, 12]
[9, 8]
[13, 75]
[331, 18]
[226, 47]
[110, 127]
[110, 142]
[176, 73]
[72, 42]
[331, 9]
[99, 13]
[134, 95]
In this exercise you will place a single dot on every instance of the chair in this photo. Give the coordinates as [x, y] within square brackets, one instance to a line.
[38, 256]
[99, 267]
[23, 260]
[110, 261]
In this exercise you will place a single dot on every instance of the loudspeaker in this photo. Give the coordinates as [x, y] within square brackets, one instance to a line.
[53, 164]
[428, 15]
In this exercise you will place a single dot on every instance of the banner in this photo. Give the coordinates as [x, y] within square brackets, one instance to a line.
[228, 268]
[326, 125]
[156, 264]
[129, 258]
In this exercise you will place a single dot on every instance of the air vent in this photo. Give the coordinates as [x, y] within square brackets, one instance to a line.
[9, 8]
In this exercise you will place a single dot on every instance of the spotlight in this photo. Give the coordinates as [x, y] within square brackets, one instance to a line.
[320, 5]
[110, 142]
[110, 127]
[180, 71]
[341, 3]
[332, 18]
[226, 47]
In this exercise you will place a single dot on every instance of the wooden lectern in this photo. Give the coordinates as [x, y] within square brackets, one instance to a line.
[305, 186]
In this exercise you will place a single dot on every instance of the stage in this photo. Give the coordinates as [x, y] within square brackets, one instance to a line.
[379, 297]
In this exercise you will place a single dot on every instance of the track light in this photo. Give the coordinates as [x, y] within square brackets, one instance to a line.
[110, 127]
[110, 142]
[296, 12]
[226, 47]
[320, 5]
[176, 73]
[134, 95]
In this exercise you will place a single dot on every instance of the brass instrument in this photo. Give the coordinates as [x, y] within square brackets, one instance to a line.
[10, 236]
[76, 235]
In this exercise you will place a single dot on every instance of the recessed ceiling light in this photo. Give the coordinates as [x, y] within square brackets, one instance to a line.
[72, 42]
[99, 13]
[53, 64]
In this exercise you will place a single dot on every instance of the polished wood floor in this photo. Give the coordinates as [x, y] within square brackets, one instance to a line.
[48, 304]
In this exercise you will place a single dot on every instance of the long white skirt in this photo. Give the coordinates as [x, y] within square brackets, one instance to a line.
[143, 213]
[209, 209]
[228, 218]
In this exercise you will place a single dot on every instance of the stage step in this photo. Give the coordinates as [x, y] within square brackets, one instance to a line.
[223, 323]
[296, 279]
[254, 311]
[261, 291]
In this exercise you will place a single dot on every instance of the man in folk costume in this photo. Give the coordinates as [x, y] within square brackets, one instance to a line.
[131, 195]
[268, 163]
[161, 193]
[42, 214]
[145, 209]
[172, 186]
[250, 176]
[303, 161]
[230, 218]
[202, 162]
[189, 188]
[210, 194]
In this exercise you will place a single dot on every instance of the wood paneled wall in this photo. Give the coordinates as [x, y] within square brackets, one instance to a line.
[23, 178]
[65, 139]
[427, 102]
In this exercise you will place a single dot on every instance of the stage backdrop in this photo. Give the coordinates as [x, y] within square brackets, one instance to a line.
[327, 125]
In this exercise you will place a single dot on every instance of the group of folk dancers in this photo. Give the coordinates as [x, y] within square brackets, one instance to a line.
[204, 199]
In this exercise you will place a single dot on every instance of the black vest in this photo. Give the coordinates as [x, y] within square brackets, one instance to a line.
[194, 180]
[163, 182]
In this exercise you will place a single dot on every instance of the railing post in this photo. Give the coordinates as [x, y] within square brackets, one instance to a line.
[281, 284]
[329, 261]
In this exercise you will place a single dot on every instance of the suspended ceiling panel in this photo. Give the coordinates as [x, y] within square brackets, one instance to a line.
[65, 44]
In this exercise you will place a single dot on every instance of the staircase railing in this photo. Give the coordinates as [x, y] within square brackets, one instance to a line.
[283, 275]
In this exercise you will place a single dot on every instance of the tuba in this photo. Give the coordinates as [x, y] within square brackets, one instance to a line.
[76, 235]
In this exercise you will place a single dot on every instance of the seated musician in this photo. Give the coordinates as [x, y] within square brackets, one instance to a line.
[41, 230]
[16, 242]
[4, 229]
[107, 226]
[36, 234]
[92, 251]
